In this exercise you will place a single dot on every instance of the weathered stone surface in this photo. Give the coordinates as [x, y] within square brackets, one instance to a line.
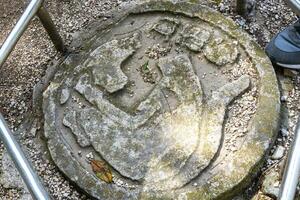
[65, 94]
[70, 120]
[166, 27]
[271, 184]
[106, 62]
[194, 37]
[198, 129]
[221, 51]
[278, 153]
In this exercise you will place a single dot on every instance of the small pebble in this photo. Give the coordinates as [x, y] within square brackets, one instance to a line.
[279, 153]
[283, 98]
[284, 132]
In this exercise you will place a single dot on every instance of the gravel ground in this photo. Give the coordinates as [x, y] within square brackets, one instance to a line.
[28, 62]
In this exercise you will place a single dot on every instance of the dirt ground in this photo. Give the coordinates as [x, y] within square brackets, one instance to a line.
[28, 62]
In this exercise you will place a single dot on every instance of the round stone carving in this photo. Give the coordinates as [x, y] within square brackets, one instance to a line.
[175, 100]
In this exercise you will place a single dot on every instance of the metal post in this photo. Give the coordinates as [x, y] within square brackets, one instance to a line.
[19, 29]
[292, 169]
[51, 29]
[24, 167]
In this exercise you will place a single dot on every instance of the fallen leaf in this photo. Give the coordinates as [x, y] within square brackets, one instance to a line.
[102, 171]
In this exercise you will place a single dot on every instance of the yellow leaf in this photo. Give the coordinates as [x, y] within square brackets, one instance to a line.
[102, 171]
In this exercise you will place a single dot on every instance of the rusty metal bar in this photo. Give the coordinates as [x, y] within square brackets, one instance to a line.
[51, 29]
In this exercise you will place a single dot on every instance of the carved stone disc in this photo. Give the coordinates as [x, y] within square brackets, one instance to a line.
[172, 99]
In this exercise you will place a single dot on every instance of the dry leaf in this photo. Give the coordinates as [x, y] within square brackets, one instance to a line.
[102, 171]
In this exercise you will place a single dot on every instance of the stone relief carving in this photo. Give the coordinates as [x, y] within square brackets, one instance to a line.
[160, 137]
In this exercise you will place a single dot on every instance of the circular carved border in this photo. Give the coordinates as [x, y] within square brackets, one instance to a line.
[262, 130]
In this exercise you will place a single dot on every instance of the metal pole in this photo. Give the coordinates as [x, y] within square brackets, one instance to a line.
[51, 29]
[292, 169]
[19, 29]
[24, 167]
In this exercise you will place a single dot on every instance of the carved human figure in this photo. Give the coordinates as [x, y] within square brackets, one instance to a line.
[165, 149]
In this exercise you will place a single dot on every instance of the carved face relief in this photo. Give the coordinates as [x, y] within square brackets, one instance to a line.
[157, 97]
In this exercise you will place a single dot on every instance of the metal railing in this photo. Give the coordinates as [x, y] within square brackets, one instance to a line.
[34, 8]
[34, 185]
[23, 165]
[292, 170]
